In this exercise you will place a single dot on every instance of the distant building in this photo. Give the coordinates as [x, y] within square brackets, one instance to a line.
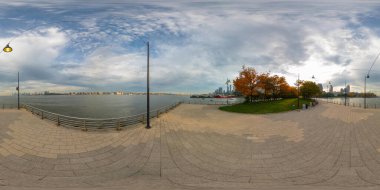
[348, 89]
[320, 87]
[219, 90]
[331, 89]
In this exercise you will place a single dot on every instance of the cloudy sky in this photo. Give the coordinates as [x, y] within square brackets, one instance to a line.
[100, 45]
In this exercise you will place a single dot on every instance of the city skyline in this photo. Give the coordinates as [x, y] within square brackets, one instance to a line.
[65, 46]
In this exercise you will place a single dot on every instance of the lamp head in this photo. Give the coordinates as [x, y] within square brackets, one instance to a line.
[7, 48]
[367, 76]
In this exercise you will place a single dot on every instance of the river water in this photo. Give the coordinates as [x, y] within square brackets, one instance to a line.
[105, 106]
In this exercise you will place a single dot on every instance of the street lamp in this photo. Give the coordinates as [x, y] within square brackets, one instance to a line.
[365, 81]
[345, 93]
[328, 91]
[18, 90]
[365, 93]
[298, 91]
[147, 89]
[7, 48]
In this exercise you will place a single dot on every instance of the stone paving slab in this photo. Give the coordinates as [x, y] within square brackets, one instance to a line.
[197, 147]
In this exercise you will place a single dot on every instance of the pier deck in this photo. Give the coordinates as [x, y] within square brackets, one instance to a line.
[197, 147]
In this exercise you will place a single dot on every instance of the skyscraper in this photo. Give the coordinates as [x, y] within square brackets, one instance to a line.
[331, 89]
[348, 89]
[320, 87]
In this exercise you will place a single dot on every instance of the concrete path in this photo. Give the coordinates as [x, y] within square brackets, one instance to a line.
[197, 147]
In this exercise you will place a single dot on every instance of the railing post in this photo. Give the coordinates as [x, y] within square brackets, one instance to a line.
[58, 122]
[143, 119]
[84, 127]
[42, 115]
[118, 128]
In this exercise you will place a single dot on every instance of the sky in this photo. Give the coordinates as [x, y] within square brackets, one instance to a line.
[71, 46]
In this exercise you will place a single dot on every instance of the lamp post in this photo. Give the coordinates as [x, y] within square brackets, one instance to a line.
[365, 81]
[365, 93]
[8, 49]
[328, 90]
[345, 93]
[298, 93]
[18, 90]
[147, 89]
[227, 92]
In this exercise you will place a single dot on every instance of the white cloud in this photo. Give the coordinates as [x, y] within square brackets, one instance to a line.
[197, 45]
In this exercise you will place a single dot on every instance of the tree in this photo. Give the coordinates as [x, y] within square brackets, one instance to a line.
[265, 83]
[247, 82]
[309, 89]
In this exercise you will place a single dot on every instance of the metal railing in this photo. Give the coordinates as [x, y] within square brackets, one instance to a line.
[8, 106]
[204, 102]
[352, 104]
[95, 124]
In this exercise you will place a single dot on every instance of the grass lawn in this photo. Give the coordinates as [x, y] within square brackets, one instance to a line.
[266, 107]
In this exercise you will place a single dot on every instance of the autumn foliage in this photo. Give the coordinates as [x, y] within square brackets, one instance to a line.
[262, 86]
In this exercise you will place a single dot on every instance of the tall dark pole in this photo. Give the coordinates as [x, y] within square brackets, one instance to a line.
[365, 91]
[147, 90]
[18, 90]
[345, 93]
[298, 94]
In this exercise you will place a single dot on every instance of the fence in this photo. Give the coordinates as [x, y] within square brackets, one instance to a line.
[352, 104]
[93, 124]
[208, 102]
[9, 106]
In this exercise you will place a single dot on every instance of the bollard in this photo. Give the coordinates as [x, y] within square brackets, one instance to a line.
[58, 122]
[84, 127]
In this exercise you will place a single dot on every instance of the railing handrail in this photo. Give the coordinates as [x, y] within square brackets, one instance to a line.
[94, 123]
[101, 119]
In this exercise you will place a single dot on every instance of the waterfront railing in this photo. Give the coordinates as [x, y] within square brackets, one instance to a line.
[206, 102]
[352, 104]
[8, 106]
[95, 124]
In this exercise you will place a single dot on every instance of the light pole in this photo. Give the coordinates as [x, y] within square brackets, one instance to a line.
[365, 81]
[365, 93]
[147, 88]
[345, 93]
[227, 82]
[298, 93]
[315, 81]
[328, 90]
[8, 49]
[18, 90]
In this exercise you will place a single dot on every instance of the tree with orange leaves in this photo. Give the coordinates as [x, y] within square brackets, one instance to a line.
[247, 82]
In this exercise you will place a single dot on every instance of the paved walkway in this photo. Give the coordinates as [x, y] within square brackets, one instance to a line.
[197, 147]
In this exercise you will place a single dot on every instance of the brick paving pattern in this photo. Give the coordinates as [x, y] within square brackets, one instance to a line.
[197, 147]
